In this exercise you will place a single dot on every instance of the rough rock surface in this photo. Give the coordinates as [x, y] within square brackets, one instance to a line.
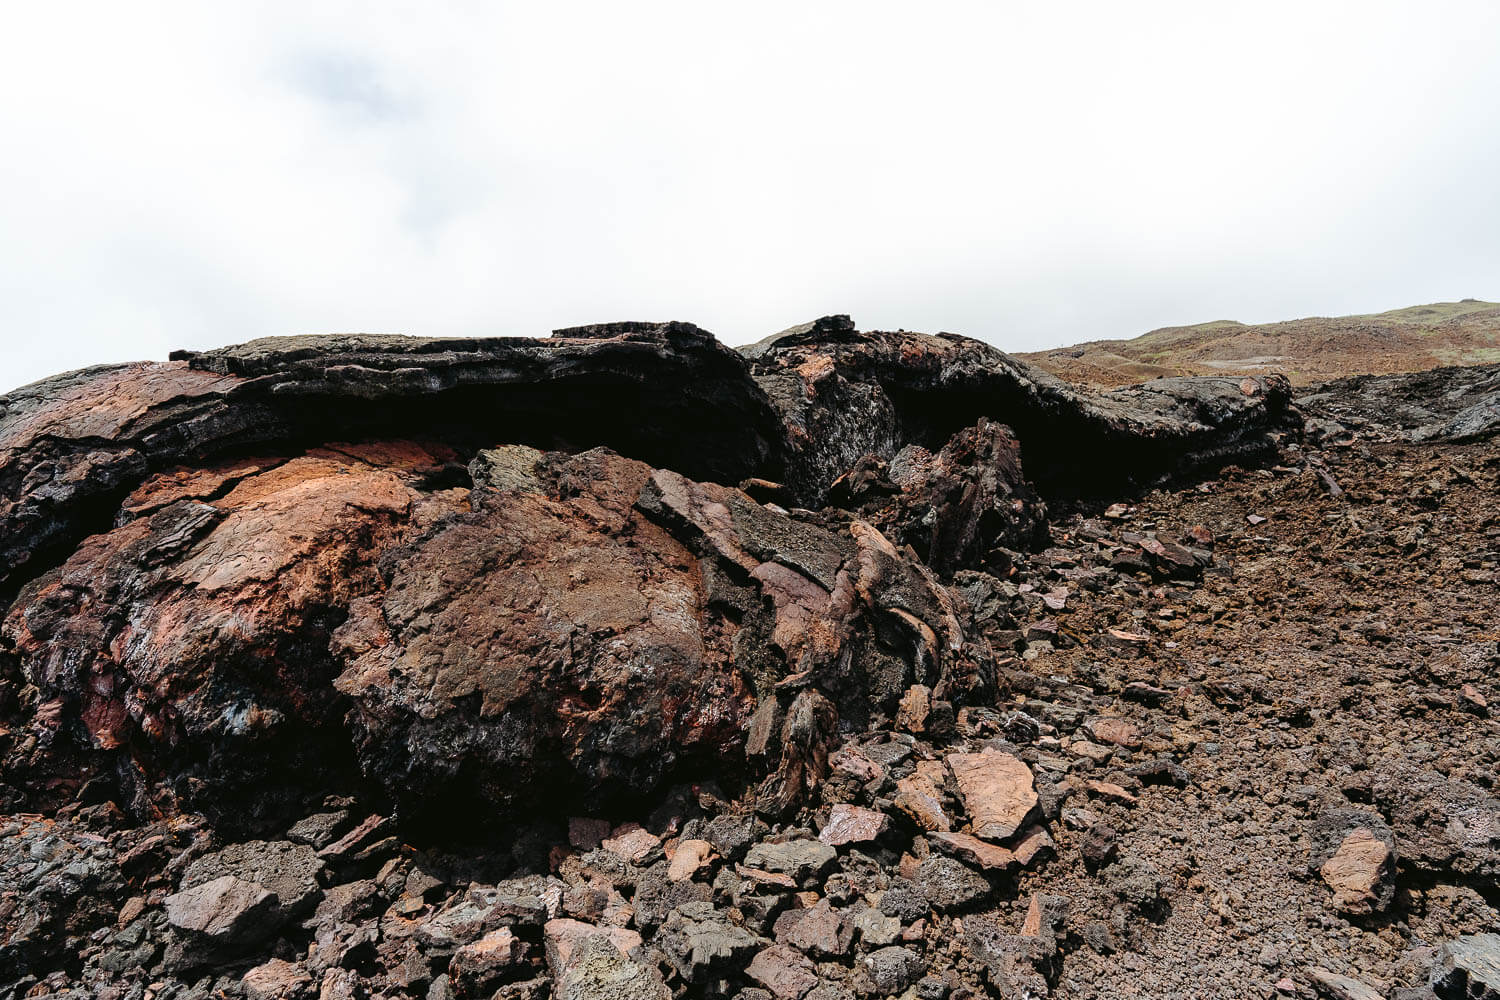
[846, 394]
[360, 668]
[72, 446]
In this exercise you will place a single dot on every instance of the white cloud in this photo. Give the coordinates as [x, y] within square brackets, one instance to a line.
[180, 174]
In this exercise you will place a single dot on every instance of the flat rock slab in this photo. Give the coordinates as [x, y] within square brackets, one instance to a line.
[998, 791]
[801, 860]
[849, 824]
[224, 909]
[972, 850]
[288, 871]
[1468, 968]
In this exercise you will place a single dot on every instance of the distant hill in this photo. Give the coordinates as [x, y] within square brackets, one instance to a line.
[1305, 350]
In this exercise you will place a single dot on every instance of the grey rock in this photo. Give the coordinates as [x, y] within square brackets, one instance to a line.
[598, 971]
[904, 900]
[803, 860]
[932, 988]
[657, 895]
[1016, 966]
[1137, 883]
[223, 910]
[320, 829]
[731, 835]
[700, 942]
[950, 885]
[889, 971]
[876, 930]
[290, 872]
[1468, 968]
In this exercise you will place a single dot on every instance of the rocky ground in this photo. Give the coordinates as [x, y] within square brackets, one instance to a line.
[914, 711]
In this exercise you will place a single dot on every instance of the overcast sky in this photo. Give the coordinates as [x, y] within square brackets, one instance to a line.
[1033, 174]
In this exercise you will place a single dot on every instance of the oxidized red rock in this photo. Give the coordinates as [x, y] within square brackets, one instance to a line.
[853, 825]
[997, 789]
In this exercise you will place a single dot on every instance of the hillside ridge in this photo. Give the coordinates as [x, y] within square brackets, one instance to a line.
[1308, 350]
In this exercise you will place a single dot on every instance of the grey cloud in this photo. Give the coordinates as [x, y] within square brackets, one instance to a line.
[189, 175]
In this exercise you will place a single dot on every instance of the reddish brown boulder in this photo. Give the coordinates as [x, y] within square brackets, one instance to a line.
[191, 641]
[637, 613]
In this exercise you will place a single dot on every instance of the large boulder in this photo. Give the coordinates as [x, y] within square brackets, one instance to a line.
[593, 624]
[260, 630]
[187, 649]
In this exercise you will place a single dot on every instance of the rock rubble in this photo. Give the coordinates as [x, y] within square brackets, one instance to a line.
[624, 665]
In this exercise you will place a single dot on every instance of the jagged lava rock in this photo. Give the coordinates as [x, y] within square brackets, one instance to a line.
[846, 394]
[602, 657]
[71, 446]
[191, 642]
[955, 507]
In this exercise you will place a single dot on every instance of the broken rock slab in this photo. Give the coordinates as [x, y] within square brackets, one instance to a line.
[801, 860]
[849, 824]
[1468, 968]
[998, 791]
[844, 394]
[223, 910]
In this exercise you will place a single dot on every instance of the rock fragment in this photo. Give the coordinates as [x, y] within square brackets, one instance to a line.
[849, 824]
[689, 856]
[222, 910]
[700, 943]
[787, 973]
[801, 860]
[821, 932]
[1468, 968]
[598, 970]
[997, 789]
[275, 980]
[1361, 873]
[1337, 987]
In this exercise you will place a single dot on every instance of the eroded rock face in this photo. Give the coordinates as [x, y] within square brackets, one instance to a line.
[318, 577]
[189, 645]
